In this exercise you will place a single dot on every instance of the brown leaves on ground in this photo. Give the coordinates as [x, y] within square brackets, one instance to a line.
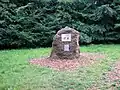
[84, 60]
[115, 73]
[113, 77]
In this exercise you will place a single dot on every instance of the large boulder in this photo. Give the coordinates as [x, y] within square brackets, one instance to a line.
[66, 44]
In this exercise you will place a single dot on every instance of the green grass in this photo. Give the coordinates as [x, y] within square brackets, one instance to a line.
[17, 74]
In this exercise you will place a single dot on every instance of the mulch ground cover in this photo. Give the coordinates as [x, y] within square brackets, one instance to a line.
[114, 74]
[113, 77]
[57, 64]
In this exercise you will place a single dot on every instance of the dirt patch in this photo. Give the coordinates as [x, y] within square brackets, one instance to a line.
[115, 73]
[84, 60]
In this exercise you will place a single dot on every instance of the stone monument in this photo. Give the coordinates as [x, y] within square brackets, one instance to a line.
[66, 44]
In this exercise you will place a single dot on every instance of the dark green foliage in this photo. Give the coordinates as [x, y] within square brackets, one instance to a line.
[33, 23]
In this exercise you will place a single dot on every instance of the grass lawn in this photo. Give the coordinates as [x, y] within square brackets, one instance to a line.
[17, 74]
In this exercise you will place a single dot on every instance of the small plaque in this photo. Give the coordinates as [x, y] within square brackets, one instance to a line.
[67, 47]
[66, 37]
